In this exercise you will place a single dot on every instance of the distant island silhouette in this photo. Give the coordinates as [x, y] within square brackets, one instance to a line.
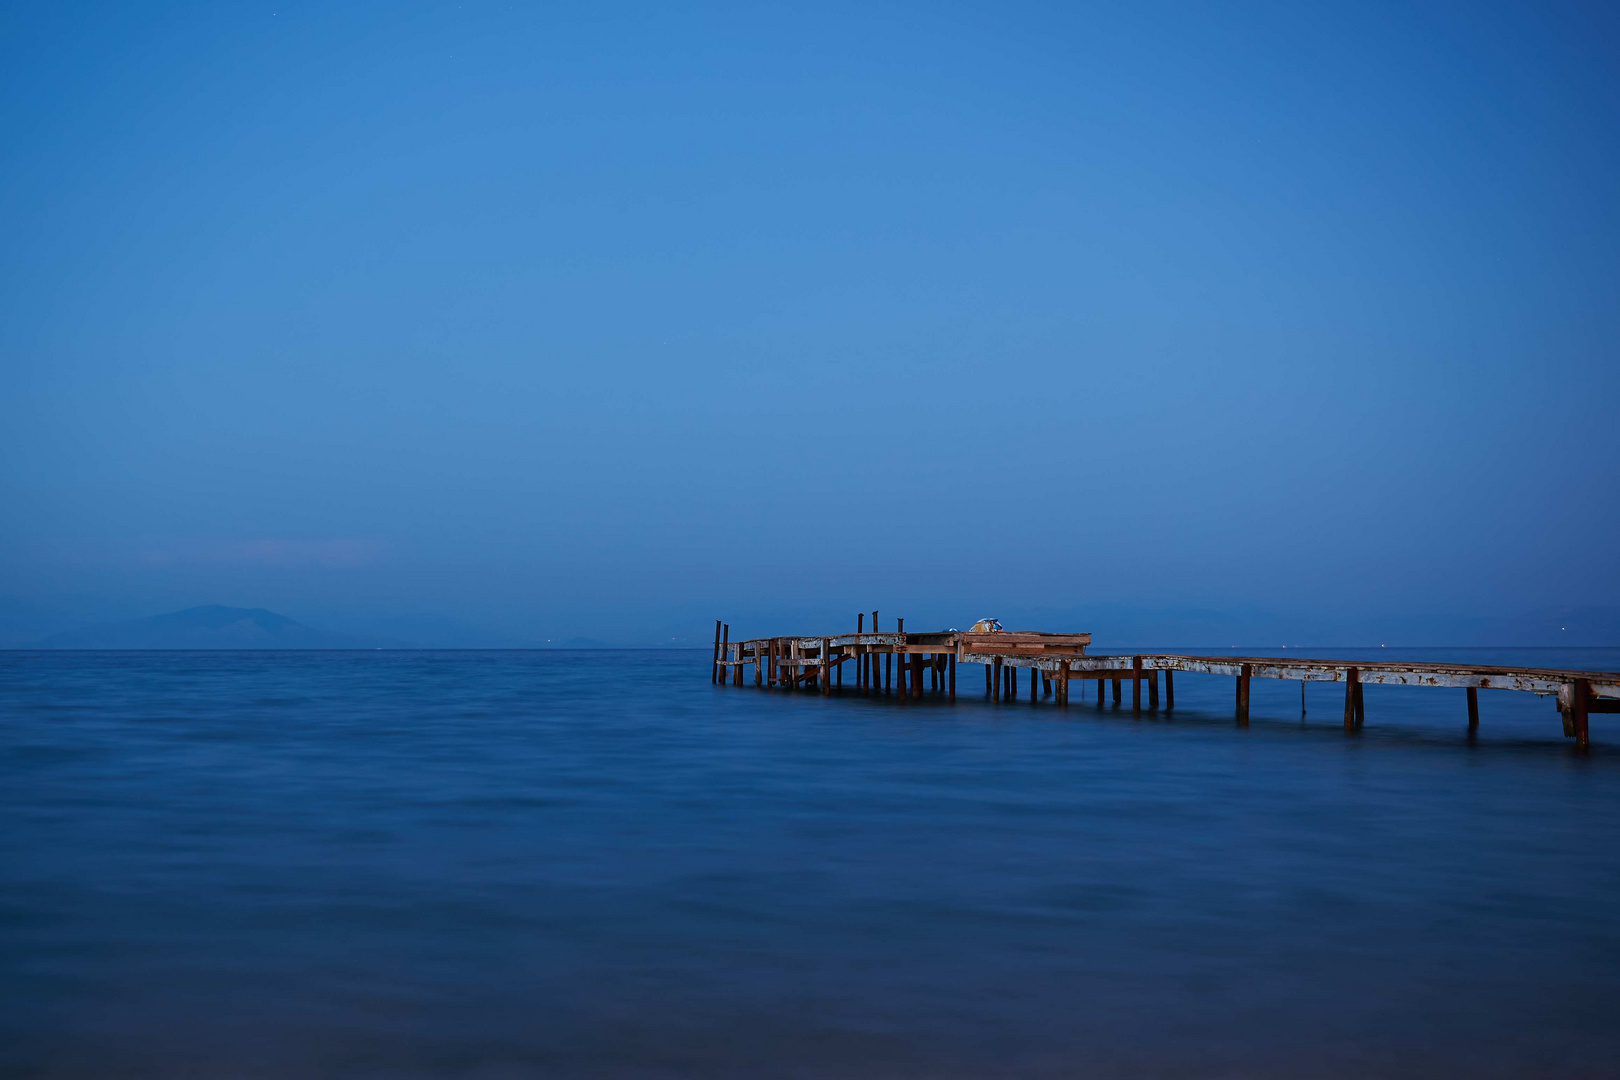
[212, 626]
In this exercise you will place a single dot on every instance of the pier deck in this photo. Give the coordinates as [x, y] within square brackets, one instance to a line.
[912, 664]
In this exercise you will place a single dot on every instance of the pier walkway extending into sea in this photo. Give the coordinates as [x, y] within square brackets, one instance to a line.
[913, 664]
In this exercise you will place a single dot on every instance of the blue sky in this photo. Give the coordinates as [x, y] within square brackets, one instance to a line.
[517, 312]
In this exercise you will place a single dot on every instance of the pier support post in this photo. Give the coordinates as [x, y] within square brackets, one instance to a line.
[1117, 697]
[1099, 691]
[1352, 680]
[917, 675]
[1580, 702]
[888, 670]
[736, 677]
[951, 660]
[725, 649]
[1169, 689]
[1153, 690]
[826, 667]
[1473, 709]
[714, 675]
[1243, 695]
[1000, 681]
[989, 682]
[1012, 683]
[1136, 684]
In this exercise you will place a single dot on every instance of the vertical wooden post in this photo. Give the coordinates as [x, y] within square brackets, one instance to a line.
[1001, 682]
[1473, 708]
[714, 675]
[1099, 691]
[1117, 697]
[1063, 684]
[951, 660]
[917, 675]
[1169, 689]
[759, 663]
[860, 623]
[725, 650]
[1361, 703]
[1136, 684]
[1012, 683]
[826, 667]
[888, 671]
[989, 687]
[736, 680]
[1153, 689]
[1580, 702]
[1034, 685]
[1243, 694]
[1352, 679]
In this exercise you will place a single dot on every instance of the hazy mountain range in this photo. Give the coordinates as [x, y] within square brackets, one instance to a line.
[211, 627]
[216, 626]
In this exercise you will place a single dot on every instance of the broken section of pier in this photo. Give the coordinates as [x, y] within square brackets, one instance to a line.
[914, 665]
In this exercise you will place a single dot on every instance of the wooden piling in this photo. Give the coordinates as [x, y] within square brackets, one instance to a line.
[714, 675]
[736, 677]
[1473, 708]
[1117, 697]
[1580, 703]
[1243, 694]
[1170, 690]
[1136, 684]
[1352, 679]
[1000, 683]
[1153, 690]
[1099, 691]
[917, 675]
[826, 667]
[951, 661]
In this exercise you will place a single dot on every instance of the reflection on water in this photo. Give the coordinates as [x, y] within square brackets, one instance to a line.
[511, 864]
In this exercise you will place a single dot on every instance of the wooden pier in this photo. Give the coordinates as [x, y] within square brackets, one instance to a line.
[911, 665]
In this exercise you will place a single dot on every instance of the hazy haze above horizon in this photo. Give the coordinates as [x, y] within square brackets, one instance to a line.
[510, 316]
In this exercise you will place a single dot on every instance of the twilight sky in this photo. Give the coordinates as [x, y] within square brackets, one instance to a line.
[523, 314]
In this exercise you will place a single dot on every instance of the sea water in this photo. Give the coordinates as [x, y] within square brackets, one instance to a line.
[512, 864]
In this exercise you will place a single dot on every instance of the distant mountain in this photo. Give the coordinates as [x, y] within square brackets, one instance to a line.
[210, 627]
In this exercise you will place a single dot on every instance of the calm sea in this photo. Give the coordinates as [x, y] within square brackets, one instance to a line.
[515, 864]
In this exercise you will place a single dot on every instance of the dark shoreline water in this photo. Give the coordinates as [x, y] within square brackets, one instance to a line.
[596, 864]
